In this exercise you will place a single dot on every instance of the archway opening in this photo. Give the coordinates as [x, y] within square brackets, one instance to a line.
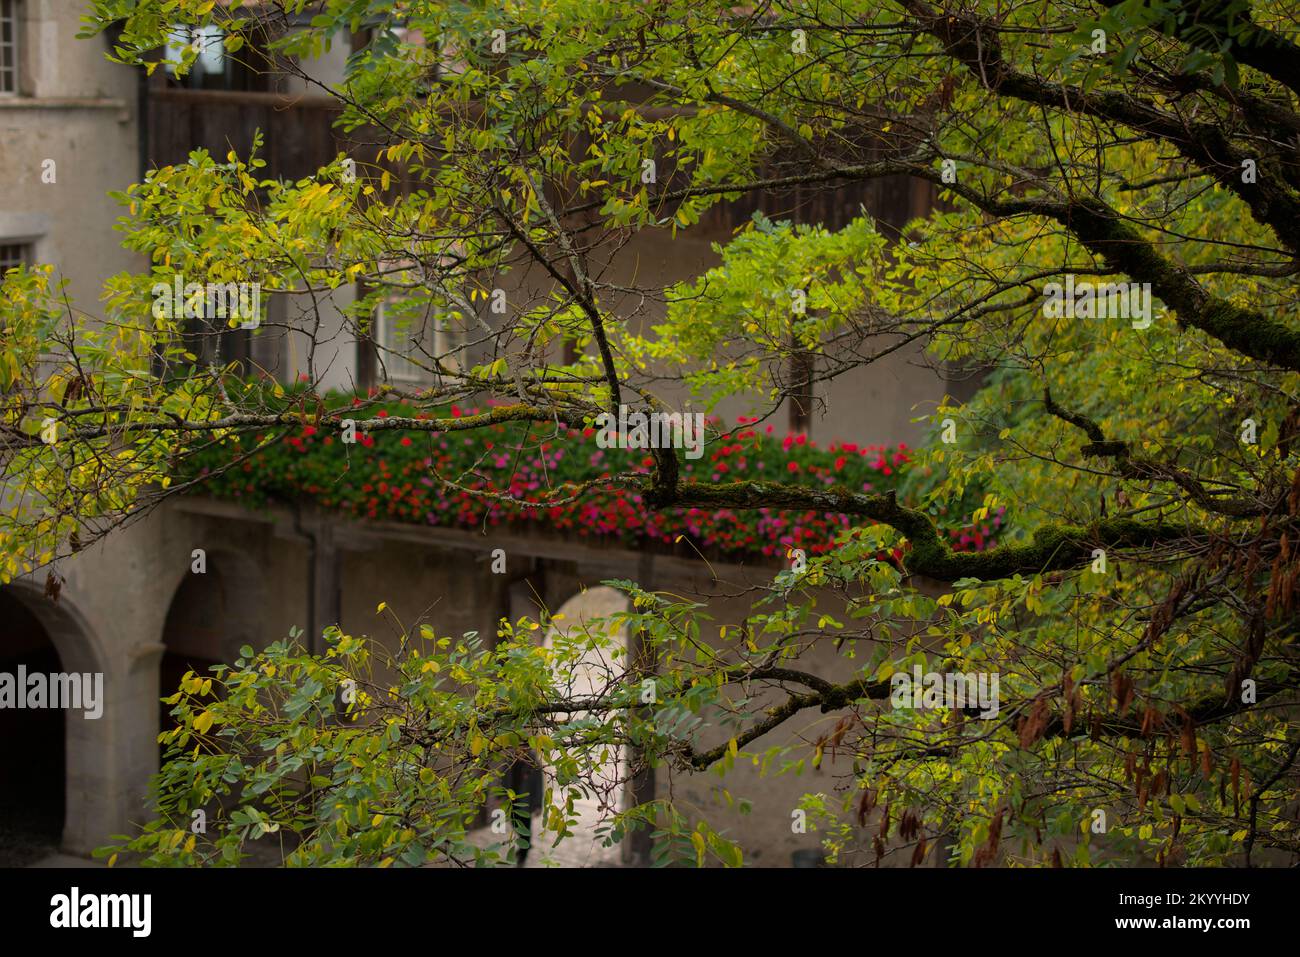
[33, 750]
[192, 634]
[212, 614]
[605, 792]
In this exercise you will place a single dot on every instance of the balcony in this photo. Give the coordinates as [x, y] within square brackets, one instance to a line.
[297, 131]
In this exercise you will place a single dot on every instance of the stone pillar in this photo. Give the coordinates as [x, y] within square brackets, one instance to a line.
[326, 582]
[136, 708]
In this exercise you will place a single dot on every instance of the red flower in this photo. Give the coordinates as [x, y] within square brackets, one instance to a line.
[406, 440]
[792, 466]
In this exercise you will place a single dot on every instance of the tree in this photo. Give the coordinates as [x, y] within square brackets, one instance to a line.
[1114, 247]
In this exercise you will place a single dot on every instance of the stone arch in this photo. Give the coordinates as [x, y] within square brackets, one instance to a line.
[91, 783]
[585, 847]
[210, 616]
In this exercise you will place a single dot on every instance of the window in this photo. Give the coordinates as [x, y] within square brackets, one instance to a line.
[448, 342]
[8, 46]
[425, 334]
[397, 338]
[268, 350]
[14, 254]
[213, 67]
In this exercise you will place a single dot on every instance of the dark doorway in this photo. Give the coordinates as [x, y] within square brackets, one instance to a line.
[192, 636]
[33, 771]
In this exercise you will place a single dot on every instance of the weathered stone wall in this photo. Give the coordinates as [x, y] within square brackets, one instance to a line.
[78, 110]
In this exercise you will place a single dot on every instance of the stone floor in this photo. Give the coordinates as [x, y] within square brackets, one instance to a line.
[66, 860]
[21, 845]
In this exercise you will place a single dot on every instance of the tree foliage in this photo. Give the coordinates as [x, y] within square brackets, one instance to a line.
[1141, 609]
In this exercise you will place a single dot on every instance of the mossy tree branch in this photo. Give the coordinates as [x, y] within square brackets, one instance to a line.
[1054, 547]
